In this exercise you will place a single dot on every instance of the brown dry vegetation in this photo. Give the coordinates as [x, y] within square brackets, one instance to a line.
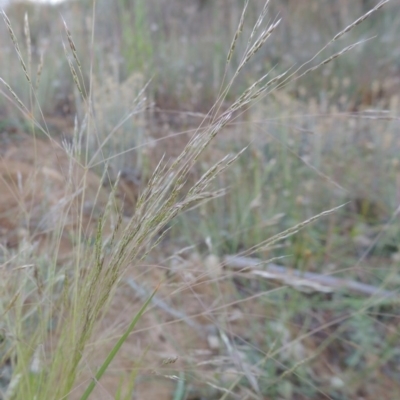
[213, 332]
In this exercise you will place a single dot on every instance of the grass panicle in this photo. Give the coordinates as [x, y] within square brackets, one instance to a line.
[16, 46]
[237, 33]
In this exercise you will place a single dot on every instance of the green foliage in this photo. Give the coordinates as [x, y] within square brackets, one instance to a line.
[137, 43]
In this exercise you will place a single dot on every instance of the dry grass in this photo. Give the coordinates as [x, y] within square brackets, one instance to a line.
[77, 263]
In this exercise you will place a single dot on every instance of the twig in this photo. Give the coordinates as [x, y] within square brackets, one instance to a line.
[300, 279]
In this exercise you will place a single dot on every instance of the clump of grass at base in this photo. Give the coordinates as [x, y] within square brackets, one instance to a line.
[48, 336]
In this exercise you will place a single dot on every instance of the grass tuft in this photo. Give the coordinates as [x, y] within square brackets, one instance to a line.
[75, 242]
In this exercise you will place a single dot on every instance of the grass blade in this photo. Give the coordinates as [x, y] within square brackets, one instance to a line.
[116, 348]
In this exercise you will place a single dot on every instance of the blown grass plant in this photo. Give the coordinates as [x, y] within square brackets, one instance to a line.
[50, 309]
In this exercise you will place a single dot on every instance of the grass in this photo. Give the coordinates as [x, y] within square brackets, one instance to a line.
[65, 301]
[184, 48]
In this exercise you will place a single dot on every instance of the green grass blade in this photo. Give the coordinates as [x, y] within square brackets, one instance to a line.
[179, 393]
[115, 349]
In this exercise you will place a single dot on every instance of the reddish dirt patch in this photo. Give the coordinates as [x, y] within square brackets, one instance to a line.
[42, 188]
